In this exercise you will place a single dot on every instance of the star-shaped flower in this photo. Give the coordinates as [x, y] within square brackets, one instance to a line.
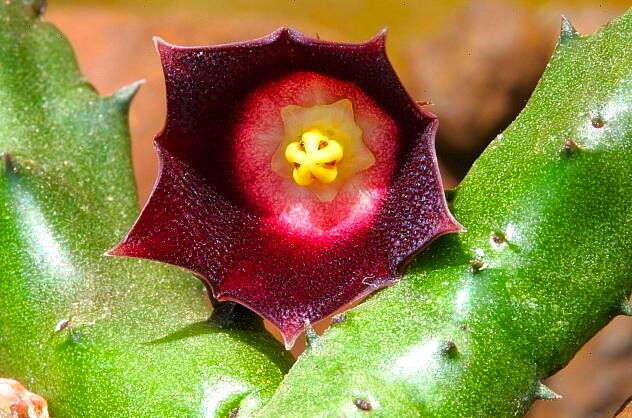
[297, 175]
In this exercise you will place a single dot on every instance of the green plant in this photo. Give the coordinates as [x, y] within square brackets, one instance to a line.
[94, 335]
[483, 317]
[478, 321]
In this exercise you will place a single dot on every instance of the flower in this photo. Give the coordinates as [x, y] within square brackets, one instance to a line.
[296, 176]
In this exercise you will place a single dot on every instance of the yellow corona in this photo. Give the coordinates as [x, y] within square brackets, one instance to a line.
[314, 158]
[322, 149]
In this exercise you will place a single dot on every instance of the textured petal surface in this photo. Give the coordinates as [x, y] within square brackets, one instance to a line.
[207, 215]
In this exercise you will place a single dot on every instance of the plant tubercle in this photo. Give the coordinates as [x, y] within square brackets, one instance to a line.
[93, 335]
[483, 317]
[297, 175]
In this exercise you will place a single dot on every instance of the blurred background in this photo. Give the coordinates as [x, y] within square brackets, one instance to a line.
[475, 61]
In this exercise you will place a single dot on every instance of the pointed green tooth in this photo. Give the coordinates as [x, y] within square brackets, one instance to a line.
[544, 392]
[567, 31]
[124, 96]
[311, 337]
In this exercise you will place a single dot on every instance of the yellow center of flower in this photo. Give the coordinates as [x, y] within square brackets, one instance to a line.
[314, 158]
[322, 148]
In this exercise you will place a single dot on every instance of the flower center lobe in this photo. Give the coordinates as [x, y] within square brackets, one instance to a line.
[314, 158]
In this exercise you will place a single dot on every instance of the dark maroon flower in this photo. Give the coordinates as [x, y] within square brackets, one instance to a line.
[296, 175]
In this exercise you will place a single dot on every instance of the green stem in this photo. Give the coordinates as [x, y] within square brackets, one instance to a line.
[98, 336]
[482, 318]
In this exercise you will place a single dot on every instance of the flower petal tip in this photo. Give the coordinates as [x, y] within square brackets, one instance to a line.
[160, 43]
[379, 40]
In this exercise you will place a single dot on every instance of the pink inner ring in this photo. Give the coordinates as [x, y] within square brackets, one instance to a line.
[286, 207]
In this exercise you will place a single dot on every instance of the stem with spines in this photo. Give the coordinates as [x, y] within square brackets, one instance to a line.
[98, 336]
[482, 317]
